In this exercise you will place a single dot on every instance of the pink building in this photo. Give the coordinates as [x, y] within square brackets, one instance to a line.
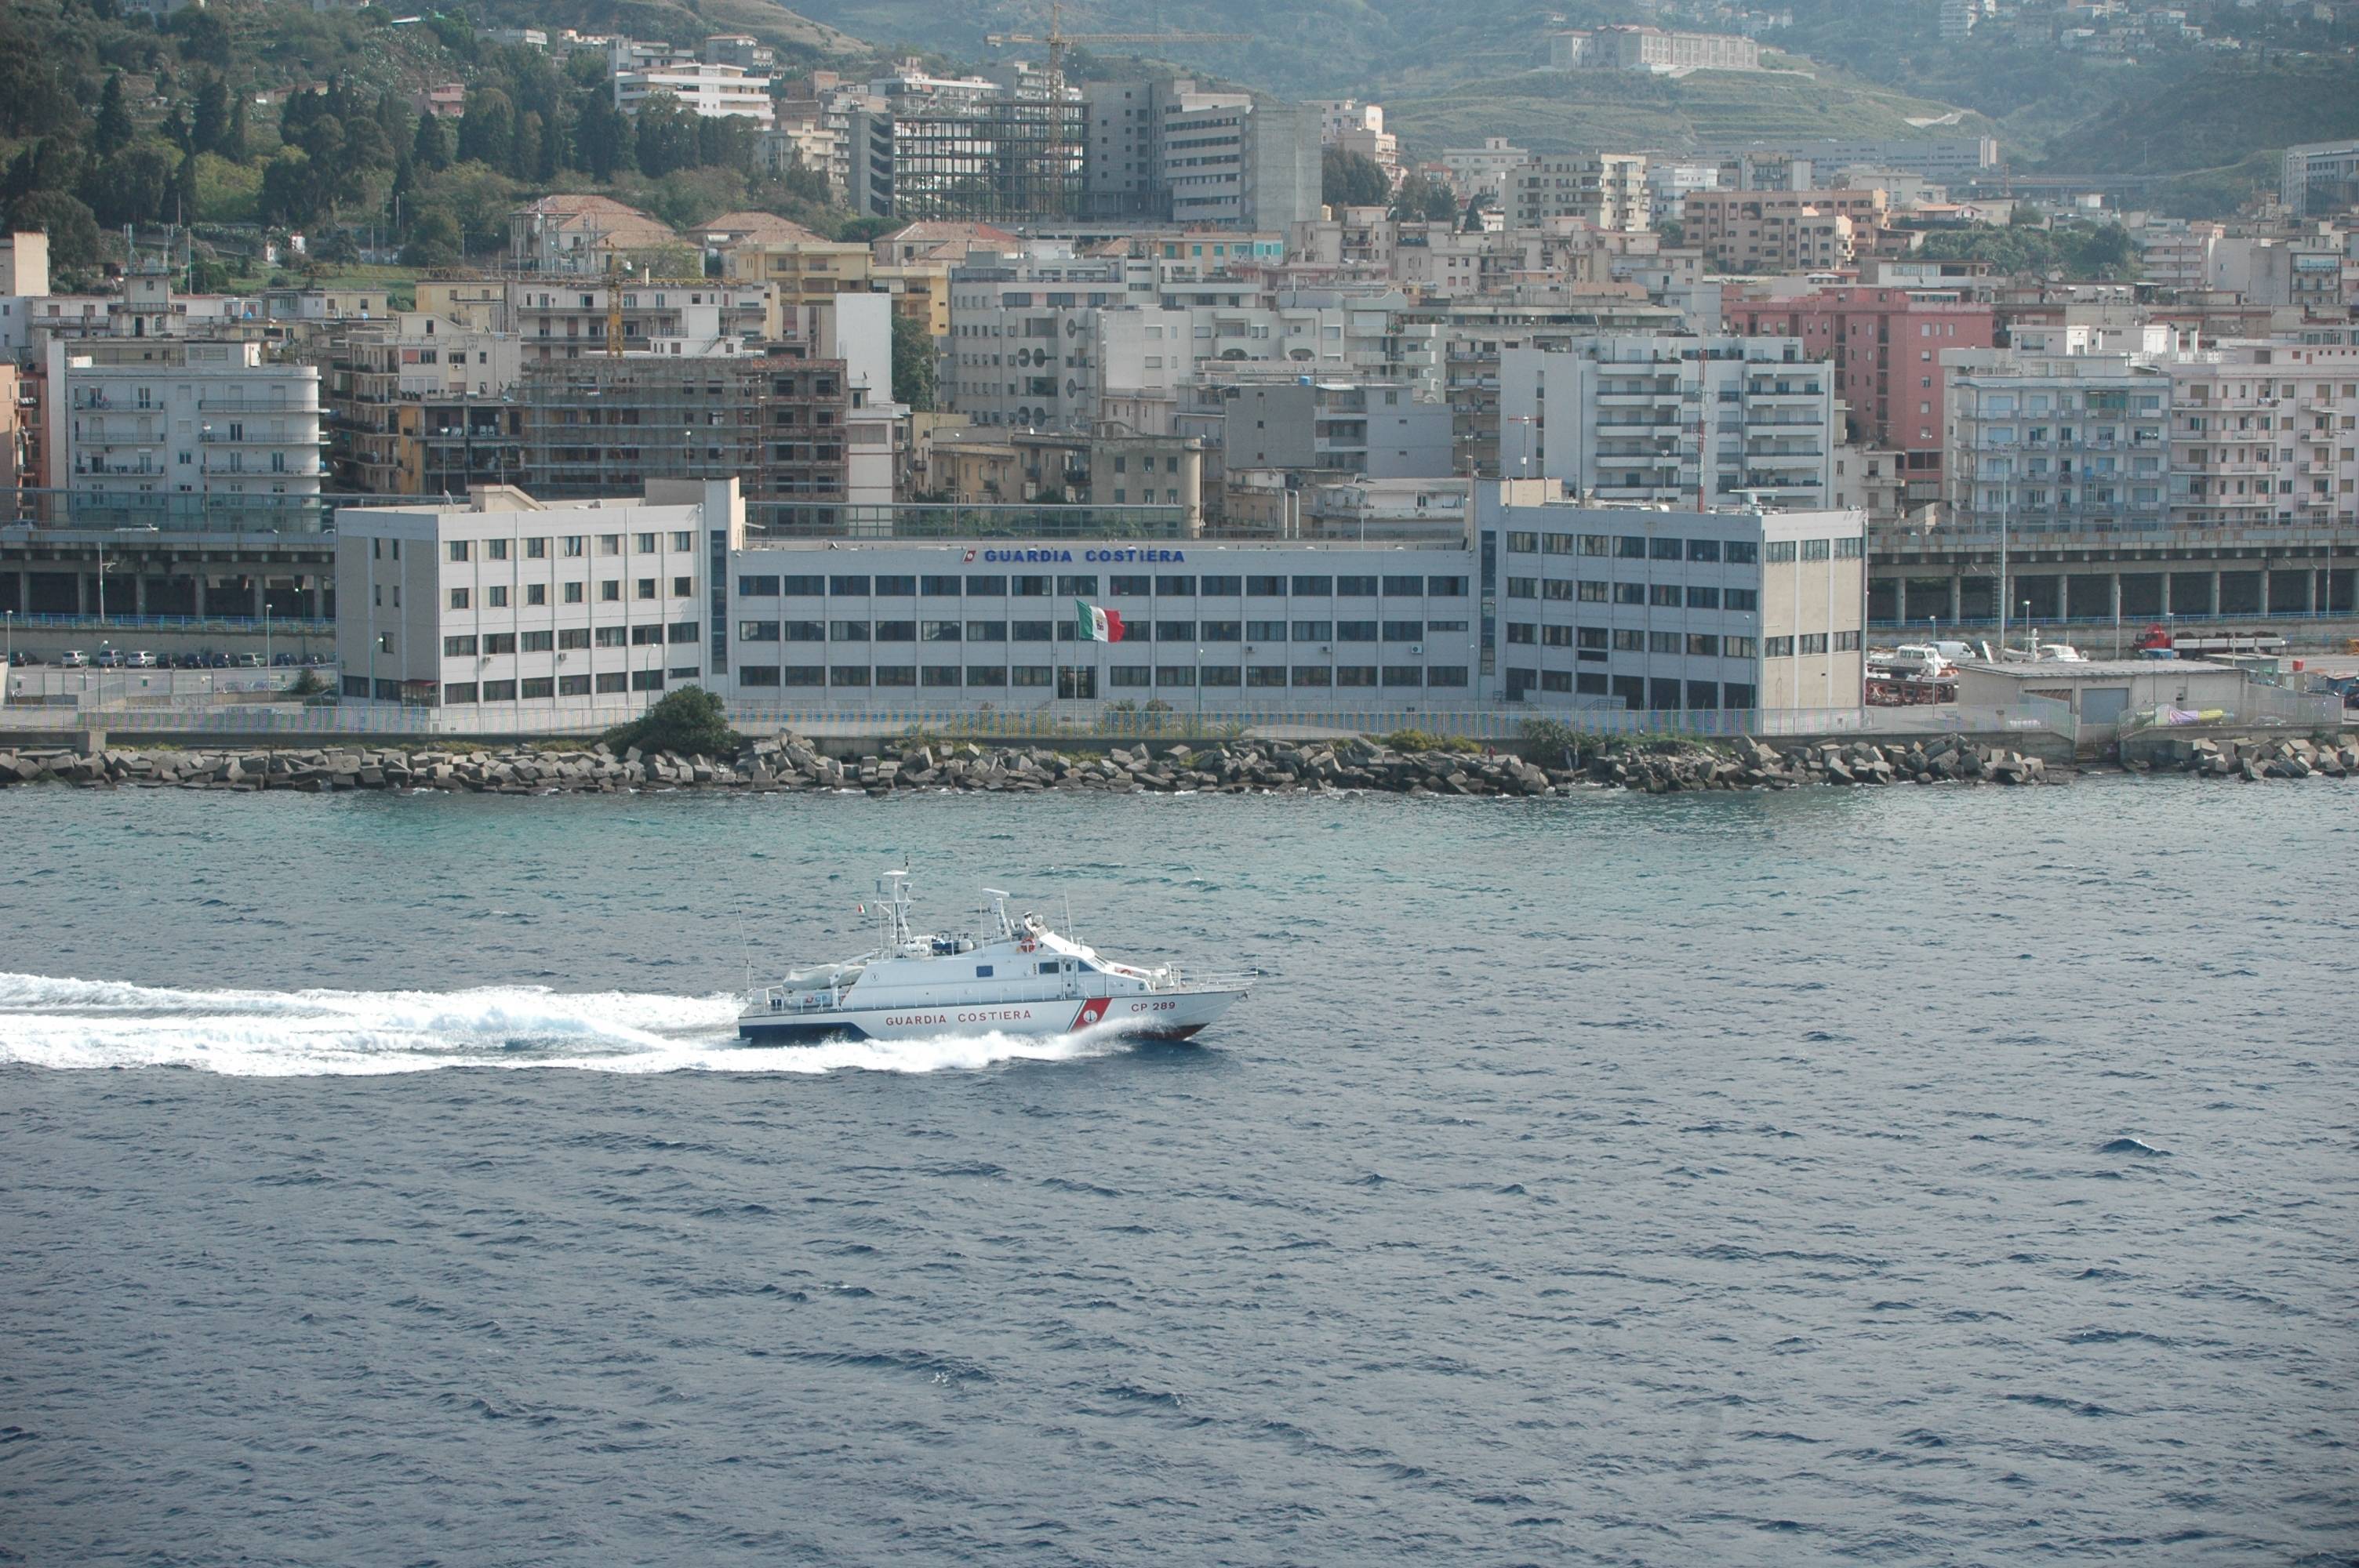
[1885, 345]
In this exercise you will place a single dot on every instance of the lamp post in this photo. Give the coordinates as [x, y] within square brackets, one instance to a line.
[7, 654]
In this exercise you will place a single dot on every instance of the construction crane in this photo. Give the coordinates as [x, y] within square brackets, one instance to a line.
[1057, 39]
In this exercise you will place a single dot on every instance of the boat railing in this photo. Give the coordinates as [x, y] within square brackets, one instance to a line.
[1191, 979]
[788, 1001]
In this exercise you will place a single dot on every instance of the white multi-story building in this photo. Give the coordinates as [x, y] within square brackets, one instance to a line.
[182, 419]
[1487, 167]
[2264, 433]
[2065, 443]
[504, 605]
[1672, 420]
[702, 87]
[1229, 162]
[1693, 609]
[1607, 189]
[2320, 177]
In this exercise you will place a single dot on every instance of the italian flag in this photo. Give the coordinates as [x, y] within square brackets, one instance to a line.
[1093, 624]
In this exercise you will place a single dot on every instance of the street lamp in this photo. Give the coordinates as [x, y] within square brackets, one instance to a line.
[9, 654]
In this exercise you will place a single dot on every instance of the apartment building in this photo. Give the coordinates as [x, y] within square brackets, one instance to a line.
[1885, 345]
[1371, 429]
[930, 147]
[578, 234]
[610, 424]
[1953, 160]
[421, 406]
[1672, 420]
[2264, 434]
[988, 468]
[1232, 162]
[2072, 443]
[1779, 232]
[1487, 167]
[149, 418]
[512, 604]
[1607, 191]
[1694, 610]
[566, 321]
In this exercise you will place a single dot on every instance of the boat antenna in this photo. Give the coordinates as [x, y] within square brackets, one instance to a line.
[1069, 919]
[746, 935]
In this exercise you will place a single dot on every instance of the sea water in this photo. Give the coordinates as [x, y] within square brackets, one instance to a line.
[1922, 1175]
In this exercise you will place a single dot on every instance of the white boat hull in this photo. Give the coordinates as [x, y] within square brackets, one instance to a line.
[1154, 1015]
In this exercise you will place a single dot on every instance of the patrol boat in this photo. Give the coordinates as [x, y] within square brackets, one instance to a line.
[1014, 977]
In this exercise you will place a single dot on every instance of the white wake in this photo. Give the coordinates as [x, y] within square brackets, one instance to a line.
[68, 1023]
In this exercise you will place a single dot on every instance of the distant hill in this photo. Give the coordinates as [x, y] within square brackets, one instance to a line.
[1449, 71]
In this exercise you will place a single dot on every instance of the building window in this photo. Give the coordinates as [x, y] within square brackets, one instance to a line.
[1780, 551]
[1776, 647]
[610, 591]
[610, 681]
[683, 588]
[572, 594]
[536, 593]
[1813, 643]
[459, 549]
[457, 693]
[458, 599]
[495, 550]
[647, 589]
[499, 691]
[1818, 549]
[536, 642]
[647, 680]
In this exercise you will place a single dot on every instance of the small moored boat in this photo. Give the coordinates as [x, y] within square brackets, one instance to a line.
[1014, 977]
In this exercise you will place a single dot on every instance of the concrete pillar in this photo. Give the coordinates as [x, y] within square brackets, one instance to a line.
[139, 594]
[81, 593]
[1899, 600]
[2115, 582]
[2310, 591]
[200, 595]
[2213, 608]
[1957, 596]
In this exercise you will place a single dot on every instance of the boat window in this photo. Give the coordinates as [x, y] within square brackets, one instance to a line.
[982, 971]
[1047, 966]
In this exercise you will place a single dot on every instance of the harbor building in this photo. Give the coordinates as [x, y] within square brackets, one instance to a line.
[1535, 601]
[1642, 607]
[508, 601]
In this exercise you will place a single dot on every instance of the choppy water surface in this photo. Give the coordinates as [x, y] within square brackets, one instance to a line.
[1922, 1177]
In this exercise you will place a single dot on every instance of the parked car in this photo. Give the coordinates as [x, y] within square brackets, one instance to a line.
[245, 660]
[283, 661]
[108, 659]
[216, 660]
[141, 660]
[74, 659]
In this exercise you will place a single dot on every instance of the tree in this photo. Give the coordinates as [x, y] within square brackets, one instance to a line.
[431, 149]
[1351, 179]
[234, 140]
[69, 223]
[1422, 198]
[913, 364]
[114, 130]
[666, 136]
[603, 137]
[526, 155]
[487, 130]
[133, 186]
[434, 241]
[688, 722]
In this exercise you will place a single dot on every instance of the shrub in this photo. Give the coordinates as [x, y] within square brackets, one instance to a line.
[688, 722]
[1551, 740]
[1424, 741]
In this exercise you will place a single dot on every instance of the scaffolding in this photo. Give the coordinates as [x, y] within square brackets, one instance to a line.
[604, 426]
[1015, 155]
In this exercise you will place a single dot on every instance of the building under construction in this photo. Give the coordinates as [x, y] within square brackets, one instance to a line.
[605, 425]
[1007, 153]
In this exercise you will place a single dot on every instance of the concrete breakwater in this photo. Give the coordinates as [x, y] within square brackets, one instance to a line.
[788, 763]
[2249, 758]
